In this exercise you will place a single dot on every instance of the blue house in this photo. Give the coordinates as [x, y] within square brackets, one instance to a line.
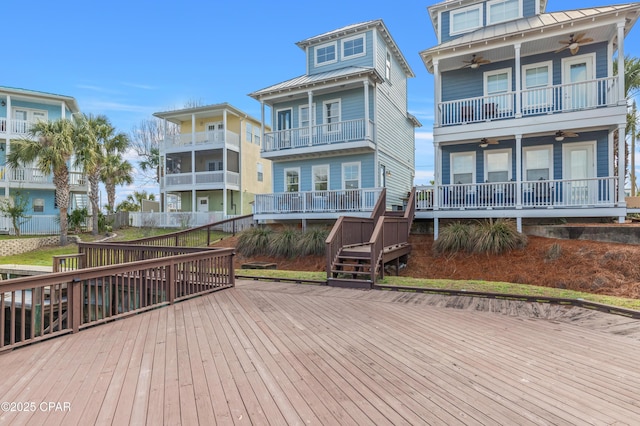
[19, 108]
[527, 111]
[341, 132]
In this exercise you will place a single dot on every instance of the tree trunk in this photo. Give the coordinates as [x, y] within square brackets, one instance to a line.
[111, 195]
[61, 182]
[94, 182]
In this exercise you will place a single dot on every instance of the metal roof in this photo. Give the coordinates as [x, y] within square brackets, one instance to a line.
[68, 100]
[179, 115]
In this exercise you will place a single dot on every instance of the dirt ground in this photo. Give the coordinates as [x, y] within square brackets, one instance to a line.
[589, 266]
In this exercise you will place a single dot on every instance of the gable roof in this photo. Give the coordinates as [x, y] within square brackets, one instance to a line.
[356, 28]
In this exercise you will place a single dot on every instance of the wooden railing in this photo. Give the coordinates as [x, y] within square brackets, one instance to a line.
[40, 307]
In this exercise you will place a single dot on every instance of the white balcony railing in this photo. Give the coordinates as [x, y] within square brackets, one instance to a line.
[347, 200]
[201, 179]
[214, 138]
[594, 192]
[33, 175]
[547, 100]
[323, 134]
[17, 127]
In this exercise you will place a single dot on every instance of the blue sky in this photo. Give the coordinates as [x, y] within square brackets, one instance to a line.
[129, 59]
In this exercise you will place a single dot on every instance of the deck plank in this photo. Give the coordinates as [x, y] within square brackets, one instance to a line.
[278, 353]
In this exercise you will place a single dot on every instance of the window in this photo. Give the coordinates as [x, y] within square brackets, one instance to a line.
[320, 177]
[463, 167]
[331, 115]
[326, 54]
[536, 78]
[498, 165]
[351, 175]
[304, 119]
[292, 180]
[503, 10]
[537, 163]
[212, 166]
[260, 172]
[38, 205]
[387, 69]
[249, 132]
[465, 19]
[497, 85]
[353, 47]
[256, 135]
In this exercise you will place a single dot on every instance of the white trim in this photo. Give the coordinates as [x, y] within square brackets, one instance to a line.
[507, 151]
[295, 169]
[278, 111]
[452, 31]
[453, 155]
[549, 101]
[494, 2]
[508, 71]
[312, 113]
[313, 176]
[355, 55]
[30, 112]
[548, 148]
[324, 114]
[590, 60]
[321, 46]
[592, 158]
[358, 163]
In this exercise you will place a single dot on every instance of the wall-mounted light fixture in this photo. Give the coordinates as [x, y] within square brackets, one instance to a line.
[3, 103]
[388, 173]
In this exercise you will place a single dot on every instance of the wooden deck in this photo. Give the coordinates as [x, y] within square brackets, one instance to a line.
[274, 353]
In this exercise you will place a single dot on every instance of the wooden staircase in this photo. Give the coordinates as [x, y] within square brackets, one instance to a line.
[359, 248]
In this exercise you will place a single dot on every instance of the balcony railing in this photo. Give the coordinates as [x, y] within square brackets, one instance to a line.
[201, 179]
[215, 137]
[17, 127]
[346, 200]
[33, 175]
[323, 134]
[547, 100]
[594, 192]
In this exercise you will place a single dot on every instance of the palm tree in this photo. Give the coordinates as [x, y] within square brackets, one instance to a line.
[631, 88]
[50, 146]
[116, 171]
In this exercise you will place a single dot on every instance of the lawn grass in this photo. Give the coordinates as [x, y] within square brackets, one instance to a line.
[472, 285]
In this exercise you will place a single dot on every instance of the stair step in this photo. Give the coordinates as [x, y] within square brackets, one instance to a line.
[352, 273]
[349, 283]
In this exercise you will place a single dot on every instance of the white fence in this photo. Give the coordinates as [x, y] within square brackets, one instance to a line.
[33, 225]
[174, 219]
[345, 200]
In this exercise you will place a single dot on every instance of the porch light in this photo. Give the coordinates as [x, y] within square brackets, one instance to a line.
[559, 136]
[484, 144]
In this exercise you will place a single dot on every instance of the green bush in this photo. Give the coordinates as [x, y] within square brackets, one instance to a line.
[284, 243]
[497, 237]
[254, 241]
[313, 242]
[453, 238]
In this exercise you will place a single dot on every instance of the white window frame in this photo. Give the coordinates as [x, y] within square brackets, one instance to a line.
[549, 95]
[259, 172]
[344, 166]
[322, 46]
[494, 2]
[313, 176]
[37, 202]
[333, 126]
[286, 183]
[249, 132]
[453, 31]
[525, 166]
[355, 55]
[304, 128]
[453, 155]
[387, 67]
[489, 152]
[501, 108]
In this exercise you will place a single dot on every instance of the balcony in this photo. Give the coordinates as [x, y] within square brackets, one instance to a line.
[33, 176]
[209, 139]
[200, 180]
[356, 133]
[590, 94]
[548, 194]
[337, 201]
[15, 127]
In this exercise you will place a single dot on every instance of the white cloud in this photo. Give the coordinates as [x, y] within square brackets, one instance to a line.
[139, 86]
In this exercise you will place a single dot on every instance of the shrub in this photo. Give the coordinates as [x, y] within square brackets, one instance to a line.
[313, 242]
[497, 237]
[284, 243]
[453, 238]
[254, 241]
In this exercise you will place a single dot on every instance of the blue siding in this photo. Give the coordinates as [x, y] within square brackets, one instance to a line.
[529, 8]
[54, 112]
[47, 195]
[362, 61]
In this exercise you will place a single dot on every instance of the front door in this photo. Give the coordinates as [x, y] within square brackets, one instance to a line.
[579, 170]
[577, 77]
[203, 204]
[284, 126]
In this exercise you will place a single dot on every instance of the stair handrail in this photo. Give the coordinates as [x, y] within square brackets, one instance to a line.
[381, 205]
[345, 232]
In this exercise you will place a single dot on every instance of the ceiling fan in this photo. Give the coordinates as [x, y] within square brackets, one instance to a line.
[574, 42]
[560, 135]
[475, 62]
[485, 142]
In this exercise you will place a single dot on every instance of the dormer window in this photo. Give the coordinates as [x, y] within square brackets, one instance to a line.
[326, 54]
[353, 47]
[503, 10]
[465, 19]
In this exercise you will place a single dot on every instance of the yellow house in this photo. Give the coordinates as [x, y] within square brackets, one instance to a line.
[210, 162]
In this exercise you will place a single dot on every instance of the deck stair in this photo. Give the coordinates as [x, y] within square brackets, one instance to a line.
[359, 248]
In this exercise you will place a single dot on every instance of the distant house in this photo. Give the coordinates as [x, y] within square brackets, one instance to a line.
[212, 167]
[527, 106]
[19, 109]
[341, 131]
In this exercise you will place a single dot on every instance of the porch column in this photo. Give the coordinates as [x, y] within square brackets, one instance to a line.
[194, 204]
[224, 165]
[311, 116]
[437, 181]
[366, 110]
[193, 130]
[518, 82]
[518, 171]
[622, 100]
[622, 142]
[63, 111]
[262, 141]
[437, 92]
[194, 208]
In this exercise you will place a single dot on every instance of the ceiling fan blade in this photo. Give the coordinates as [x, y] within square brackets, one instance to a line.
[483, 61]
[578, 37]
[493, 142]
[586, 40]
[570, 134]
[561, 49]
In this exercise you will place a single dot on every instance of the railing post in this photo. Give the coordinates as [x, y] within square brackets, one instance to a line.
[170, 281]
[74, 308]
[232, 272]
